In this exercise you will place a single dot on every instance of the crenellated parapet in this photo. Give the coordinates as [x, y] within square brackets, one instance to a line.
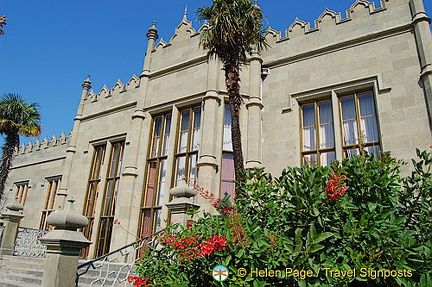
[327, 20]
[183, 30]
[181, 50]
[117, 90]
[45, 144]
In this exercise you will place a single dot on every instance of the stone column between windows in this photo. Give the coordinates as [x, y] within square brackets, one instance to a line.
[211, 135]
[131, 185]
[337, 126]
[254, 107]
[424, 45]
[210, 143]
[71, 149]
[134, 161]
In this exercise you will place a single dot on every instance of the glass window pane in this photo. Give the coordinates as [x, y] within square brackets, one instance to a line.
[227, 175]
[310, 159]
[348, 108]
[350, 132]
[151, 176]
[185, 120]
[166, 135]
[162, 179]
[157, 223]
[168, 124]
[197, 117]
[325, 112]
[326, 136]
[327, 158]
[374, 150]
[181, 170]
[227, 142]
[183, 141]
[156, 136]
[109, 197]
[351, 152]
[367, 106]
[192, 168]
[309, 139]
[308, 115]
[370, 131]
[196, 135]
[155, 146]
[145, 223]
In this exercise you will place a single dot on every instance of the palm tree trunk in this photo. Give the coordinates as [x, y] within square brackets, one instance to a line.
[232, 79]
[12, 141]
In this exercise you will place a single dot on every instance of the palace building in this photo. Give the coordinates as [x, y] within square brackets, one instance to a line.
[322, 89]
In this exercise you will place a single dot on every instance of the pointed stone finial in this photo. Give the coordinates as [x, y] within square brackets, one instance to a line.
[152, 33]
[185, 13]
[256, 6]
[87, 83]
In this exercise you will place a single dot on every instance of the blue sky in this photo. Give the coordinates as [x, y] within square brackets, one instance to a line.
[50, 46]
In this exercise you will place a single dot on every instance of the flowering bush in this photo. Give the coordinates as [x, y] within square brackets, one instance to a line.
[356, 223]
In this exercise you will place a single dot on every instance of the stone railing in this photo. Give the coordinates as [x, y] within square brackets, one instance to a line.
[114, 268]
[27, 243]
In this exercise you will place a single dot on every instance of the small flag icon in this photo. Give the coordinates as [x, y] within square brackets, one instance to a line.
[220, 273]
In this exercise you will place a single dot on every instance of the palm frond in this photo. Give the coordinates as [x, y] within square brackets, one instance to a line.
[16, 115]
[235, 28]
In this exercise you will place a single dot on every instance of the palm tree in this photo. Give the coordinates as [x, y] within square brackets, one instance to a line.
[2, 23]
[234, 29]
[17, 117]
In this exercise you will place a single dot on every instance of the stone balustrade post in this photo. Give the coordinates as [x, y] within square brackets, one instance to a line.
[63, 247]
[182, 204]
[11, 219]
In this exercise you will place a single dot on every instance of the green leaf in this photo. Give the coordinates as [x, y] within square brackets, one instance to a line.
[240, 252]
[315, 248]
[227, 260]
[321, 237]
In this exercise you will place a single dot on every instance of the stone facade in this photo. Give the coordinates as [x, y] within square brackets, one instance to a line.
[141, 138]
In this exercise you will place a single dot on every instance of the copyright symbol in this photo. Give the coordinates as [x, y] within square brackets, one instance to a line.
[241, 272]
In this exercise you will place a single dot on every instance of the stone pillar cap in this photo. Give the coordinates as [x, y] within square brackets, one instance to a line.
[15, 205]
[67, 218]
[183, 190]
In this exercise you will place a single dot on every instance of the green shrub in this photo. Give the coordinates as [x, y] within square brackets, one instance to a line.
[356, 223]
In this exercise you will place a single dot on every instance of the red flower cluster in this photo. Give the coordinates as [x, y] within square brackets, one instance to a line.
[237, 229]
[335, 188]
[193, 248]
[179, 243]
[204, 193]
[216, 243]
[226, 210]
[189, 223]
[216, 203]
[139, 281]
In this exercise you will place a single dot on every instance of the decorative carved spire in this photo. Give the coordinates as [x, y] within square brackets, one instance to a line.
[152, 33]
[87, 83]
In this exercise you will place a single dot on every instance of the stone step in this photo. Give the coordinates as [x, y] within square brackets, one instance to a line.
[8, 283]
[22, 262]
[21, 271]
[18, 271]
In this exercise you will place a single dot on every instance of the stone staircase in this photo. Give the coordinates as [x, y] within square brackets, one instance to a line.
[16, 271]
